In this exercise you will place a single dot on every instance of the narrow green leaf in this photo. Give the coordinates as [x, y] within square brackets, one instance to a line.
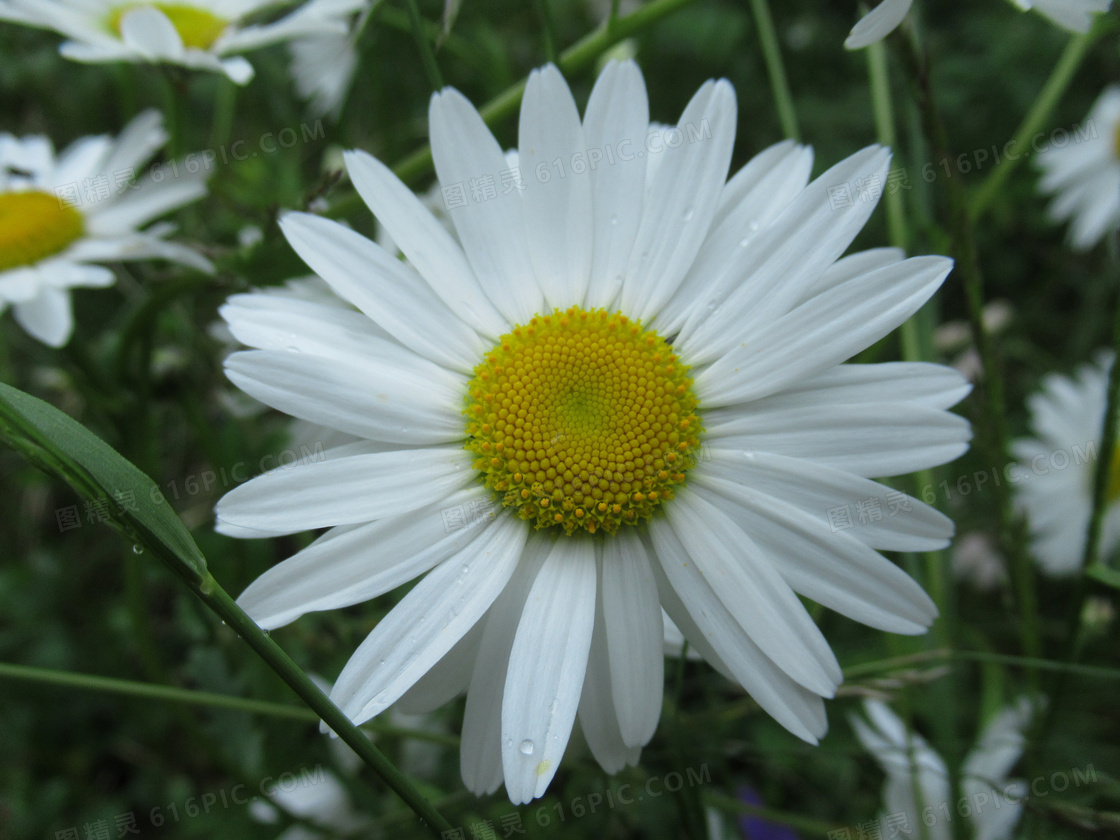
[1103, 574]
[62, 446]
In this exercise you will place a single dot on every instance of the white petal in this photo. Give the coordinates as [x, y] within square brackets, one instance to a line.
[370, 397]
[145, 201]
[547, 665]
[872, 440]
[352, 564]
[711, 628]
[138, 141]
[48, 316]
[239, 70]
[893, 521]
[151, 33]
[466, 157]
[682, 200]
[931, 385]
[748, 204]
[386, 289]
[833, 569]
[342, 491]
[822, 332]
[598, 713]
[615, 126]
[749, 586]
[634, 636]
[557, 211]
[480, 761]
[877, 24]
[445, 680]
[429, 620]
[764, 280]
[79, 161]
[318, 328]
[424, 241]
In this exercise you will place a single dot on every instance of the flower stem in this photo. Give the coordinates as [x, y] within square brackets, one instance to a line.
[1043, 106]
[994, 440]
[427, 57]
[772, 55]
[221, 603]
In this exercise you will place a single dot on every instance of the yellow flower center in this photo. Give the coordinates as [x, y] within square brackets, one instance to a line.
[582, 420]
[1116, 141]
[197, 28]
[34, 225]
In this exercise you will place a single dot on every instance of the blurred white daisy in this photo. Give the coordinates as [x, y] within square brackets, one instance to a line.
[917, 783]
[1084, 174]
[1056, 468]
[59, 214]
[1074, 15]
[976, 559]
[323, 65]
[531, 401]
[200, 34]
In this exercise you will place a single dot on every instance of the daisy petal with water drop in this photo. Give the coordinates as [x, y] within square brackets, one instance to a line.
[618, 387]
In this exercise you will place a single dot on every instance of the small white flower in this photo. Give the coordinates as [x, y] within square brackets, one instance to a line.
[1074, 15]
[917, 783]
[1055, 470]
[977, 560]
[59, 214]
[1084, 174]
[200, 34]
[530, 399]
[323, 65]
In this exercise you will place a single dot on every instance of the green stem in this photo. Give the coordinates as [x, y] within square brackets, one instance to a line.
[221, 603]
[576, 57]
[427, 57]
[1039, 113]
[806, 825]
[994, 442]
[190, 697]
[775, 69]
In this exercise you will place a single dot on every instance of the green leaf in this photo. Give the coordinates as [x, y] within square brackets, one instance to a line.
[1103, 574]
[96, 471]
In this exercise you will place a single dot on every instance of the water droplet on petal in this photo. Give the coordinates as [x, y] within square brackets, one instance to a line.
[614, 220]
[527, 747]
[754, 226]
[688, 212]
[138, 549]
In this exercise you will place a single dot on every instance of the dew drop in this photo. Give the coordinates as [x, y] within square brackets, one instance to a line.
[754, 226]
[527, 747]
[744, 242]
[138, 549]
[614, 220]
[688, 212]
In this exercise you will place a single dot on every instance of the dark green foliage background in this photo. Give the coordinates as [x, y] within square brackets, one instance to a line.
[144, 373]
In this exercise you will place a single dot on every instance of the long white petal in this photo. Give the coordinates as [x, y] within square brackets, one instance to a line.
[429, 620]
[342, 491]
[547, 665]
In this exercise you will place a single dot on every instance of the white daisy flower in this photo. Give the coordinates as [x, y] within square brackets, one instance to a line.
[917, 783]
[1074, 15]
[976, 559]
[200, 34]
[1056, 468]
[59, 214]
[323, 65]
[877, 24]
[1084, 175]
[531, 405]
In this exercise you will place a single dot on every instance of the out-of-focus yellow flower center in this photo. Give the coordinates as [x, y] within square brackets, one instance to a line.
[582, 420]
[197, 27]
[33, 226]
[1116, 140]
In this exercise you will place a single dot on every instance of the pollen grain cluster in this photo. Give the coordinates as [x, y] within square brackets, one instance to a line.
[582, 420]
[33, 226]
